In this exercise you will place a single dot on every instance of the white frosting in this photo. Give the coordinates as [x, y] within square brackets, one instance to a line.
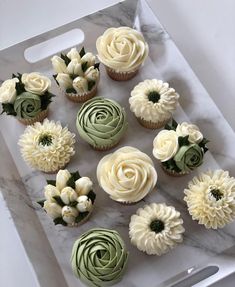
[127, 175]
[143, 108]
[122, 49]
[185, 129]
[148, 240]
[203, 206]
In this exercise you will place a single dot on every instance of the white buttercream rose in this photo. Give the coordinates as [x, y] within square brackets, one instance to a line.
[52, 209]
[8, 91]
[62, 178]
[165, 145]
[68, 195]
[185, 129]
[89, 58]
[91, 74]
[50, 191]
[83, 185]
[64, 80]
[80, 85]
[84, 203]
[36, 83]
[75, 67]
[58, 64]
[69, 214]
[74, 54]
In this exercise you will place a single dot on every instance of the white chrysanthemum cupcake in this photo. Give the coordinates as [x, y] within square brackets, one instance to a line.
[153, 102]
[211, 198]
[47, 146]
[156, 228]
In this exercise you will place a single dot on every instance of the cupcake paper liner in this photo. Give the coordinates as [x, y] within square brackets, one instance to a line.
[173, 173]
[120, 76]
[152, 125]
[39, 118]
[104, 148]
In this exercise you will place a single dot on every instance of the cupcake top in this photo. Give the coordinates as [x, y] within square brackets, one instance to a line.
[99, 257]
[47, 146]
[127, 175]
[101, 122]
[153, 100]
[156, 228]
[25, 95]
[122, 49]
[76, 72]
[180, 147]
[69, 199]
[211, 198]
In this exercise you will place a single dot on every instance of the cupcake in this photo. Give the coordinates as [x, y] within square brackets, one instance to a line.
[99, 257]
[210, 198]
[47, 146]
[26, 97]
[153, 103]
[102, 123]
[127, 175]
[122, 50]
[156, 228]
[69, 199]
[77, 74]
[180, 148]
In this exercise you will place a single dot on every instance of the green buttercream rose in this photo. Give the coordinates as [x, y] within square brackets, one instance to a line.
[101, 122]
[189, 157]
[27, 105]
[99, 257]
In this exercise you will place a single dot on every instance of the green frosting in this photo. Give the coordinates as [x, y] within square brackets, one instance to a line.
[101, 122]
[189, 157]
[27, 105]
[99, 257]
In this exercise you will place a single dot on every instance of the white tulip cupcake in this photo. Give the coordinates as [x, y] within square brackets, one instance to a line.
[211, 198]
[156, 228]
[153, 102]
[127, 175]
[69, 199]
[122, 50]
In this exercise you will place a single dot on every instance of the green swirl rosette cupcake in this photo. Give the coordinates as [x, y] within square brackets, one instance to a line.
[99, 257]
[102, 123]
[180, 148]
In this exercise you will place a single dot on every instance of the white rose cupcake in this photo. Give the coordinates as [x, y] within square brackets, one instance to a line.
[153, 102]
[127, 175]
[156, 228]
[69, 199]
[47, 146]
[122, 50]
[211, 198]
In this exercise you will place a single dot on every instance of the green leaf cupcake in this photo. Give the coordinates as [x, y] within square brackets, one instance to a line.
[102, 123]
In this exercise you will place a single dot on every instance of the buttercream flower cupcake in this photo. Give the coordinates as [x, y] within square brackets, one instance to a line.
[127, 175]
[69, 199]
[153, 102]
[77, 74]
[122, 50]
[156, 228]
[47, 146]
[210, 198]
[102, 123]
[26, 97]
[180, 148]
[99, 257]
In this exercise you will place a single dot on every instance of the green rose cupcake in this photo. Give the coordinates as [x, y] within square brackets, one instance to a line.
[101, 122]
[99, 257]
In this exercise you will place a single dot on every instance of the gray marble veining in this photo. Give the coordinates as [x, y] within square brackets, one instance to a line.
[49, 246]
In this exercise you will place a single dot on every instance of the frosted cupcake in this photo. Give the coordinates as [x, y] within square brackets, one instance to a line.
[102, 123]
[156, 228]
[153, 102]
[180, 148]
[127, 175]
[99, 257]
[26, 97]
[69, 199]
[77, 74]
[122, 50]
[210, 198]
[47, 146]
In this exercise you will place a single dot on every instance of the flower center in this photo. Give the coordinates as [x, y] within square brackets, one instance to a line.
[154, 96]
[45, 140]
[157, 226]
[216, 193]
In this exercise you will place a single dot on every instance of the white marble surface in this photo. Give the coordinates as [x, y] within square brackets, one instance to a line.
[167, 63]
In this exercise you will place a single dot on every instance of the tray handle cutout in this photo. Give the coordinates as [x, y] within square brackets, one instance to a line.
[54, 45]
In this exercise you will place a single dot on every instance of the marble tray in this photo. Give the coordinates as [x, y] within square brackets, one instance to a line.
[48, 247]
